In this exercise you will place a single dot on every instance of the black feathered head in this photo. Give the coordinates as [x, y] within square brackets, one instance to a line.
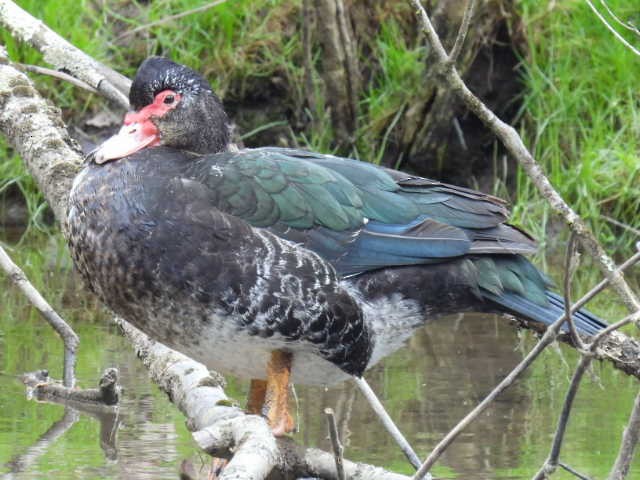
[173, 106]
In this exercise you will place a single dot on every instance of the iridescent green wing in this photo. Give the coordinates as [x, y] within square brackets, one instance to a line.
[268, 188]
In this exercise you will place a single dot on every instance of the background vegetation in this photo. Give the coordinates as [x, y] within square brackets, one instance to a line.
[578, 107]
[582, 116]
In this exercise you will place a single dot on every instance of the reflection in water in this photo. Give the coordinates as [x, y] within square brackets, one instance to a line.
[26, 460]
[446, 368]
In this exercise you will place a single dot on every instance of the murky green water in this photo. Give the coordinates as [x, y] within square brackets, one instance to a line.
[428, 386]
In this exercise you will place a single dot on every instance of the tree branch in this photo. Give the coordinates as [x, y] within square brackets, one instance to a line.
[226, 431]
[41, 139]
[450, 78]
[62, 328]
[56, 74]
[220, 429]
[609, 351]
[552, 462]
[463, 30]
[387, 422]
[620, 38]
[338, 449]
[628, 25]
[514, 144]
[64, 56]
[570, 266]
[45, 389]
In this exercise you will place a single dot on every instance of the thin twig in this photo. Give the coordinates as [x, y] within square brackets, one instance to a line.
[604, 283]
[338, 449]
[634, 317]
[613, 30]
[570, 266]
[430, 32]
[546, 339]
[459, 133]
[462, 31]
[384, 417]
[573, 471]
[629, 441]
[617, 223]
[56, 74]
[551, 463]
[308, 22]
[62, 328]
[627, 25]
[450, 78]
[170, 18]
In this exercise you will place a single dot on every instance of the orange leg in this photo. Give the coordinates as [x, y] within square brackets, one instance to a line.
[257, 393]
[276, 401]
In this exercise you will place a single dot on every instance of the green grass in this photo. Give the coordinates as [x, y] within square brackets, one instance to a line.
[73, 20]
[399, 69]
[15, 180]
[581, 103]
[582, 118]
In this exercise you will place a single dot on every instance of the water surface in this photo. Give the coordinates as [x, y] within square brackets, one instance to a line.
[446, 368]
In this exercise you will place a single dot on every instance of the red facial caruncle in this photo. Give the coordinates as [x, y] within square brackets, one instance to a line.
[138, 130]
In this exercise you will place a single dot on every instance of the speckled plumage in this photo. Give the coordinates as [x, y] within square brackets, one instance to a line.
[159, 255]
[228, 256]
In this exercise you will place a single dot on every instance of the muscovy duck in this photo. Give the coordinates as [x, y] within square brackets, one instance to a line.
[278, 264]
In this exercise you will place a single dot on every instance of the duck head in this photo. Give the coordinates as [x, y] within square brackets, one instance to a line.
[172, 106]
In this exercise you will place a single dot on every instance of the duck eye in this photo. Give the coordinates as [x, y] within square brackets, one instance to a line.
[169, 99]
